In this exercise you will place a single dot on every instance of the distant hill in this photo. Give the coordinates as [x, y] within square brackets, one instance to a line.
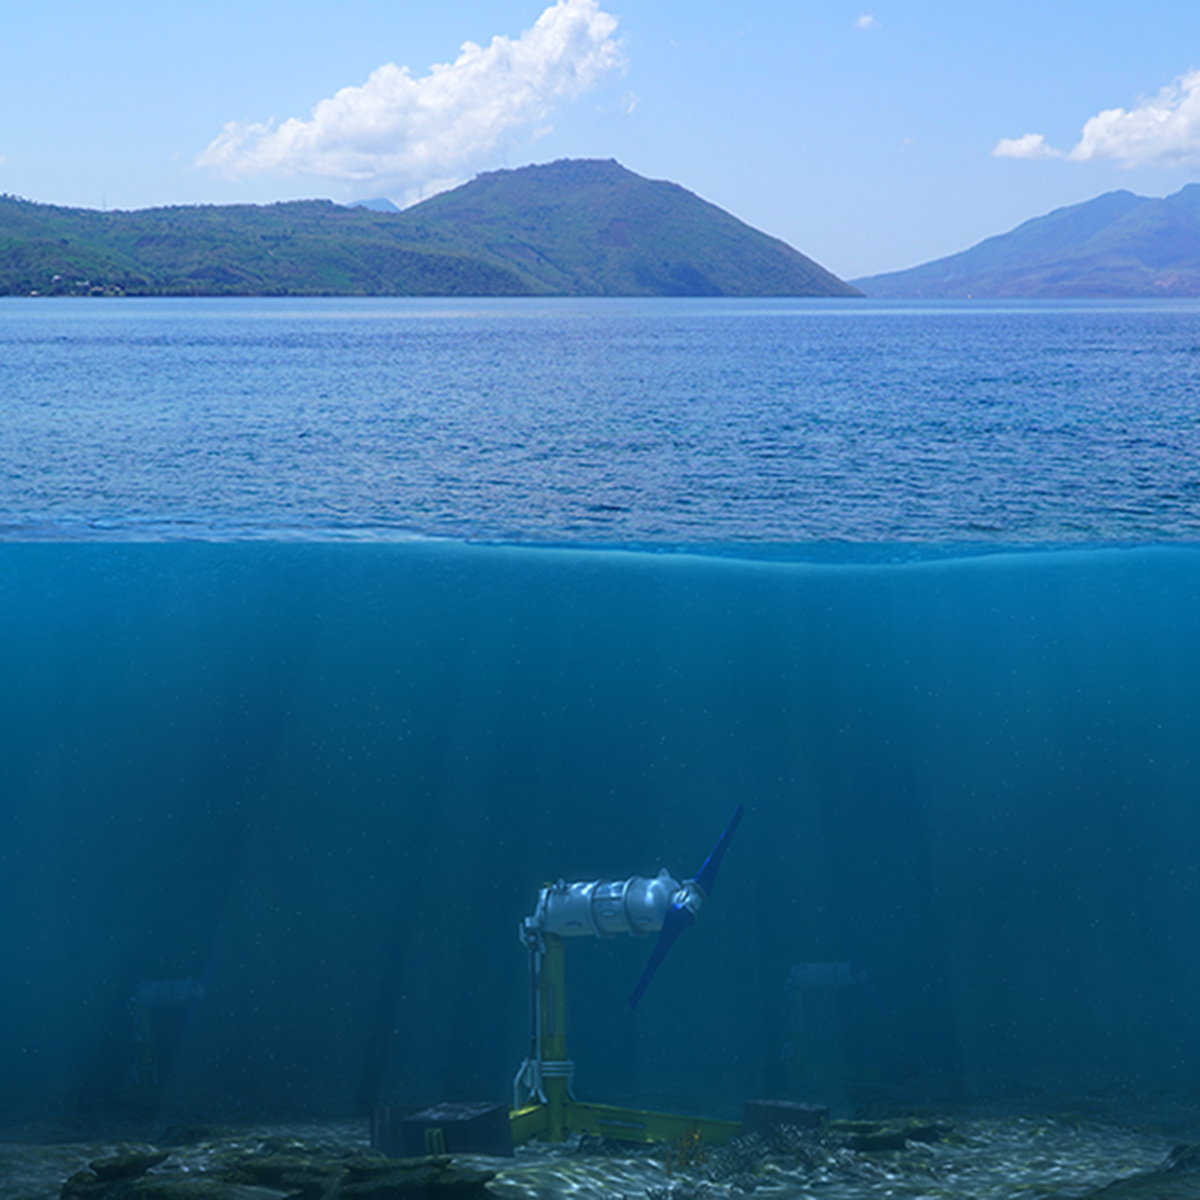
[378, 204]
[1117, 245]
[570, 228]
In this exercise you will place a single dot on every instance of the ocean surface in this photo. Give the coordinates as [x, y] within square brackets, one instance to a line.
[627, 421]
[331, 631]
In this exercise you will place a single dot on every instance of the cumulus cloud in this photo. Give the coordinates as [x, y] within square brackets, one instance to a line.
[1160, 132]
[412, 134]
[1032, 145]
[867, 22]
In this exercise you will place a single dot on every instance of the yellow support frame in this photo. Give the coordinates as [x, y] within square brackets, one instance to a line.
[562, 1114]
[552, 1003]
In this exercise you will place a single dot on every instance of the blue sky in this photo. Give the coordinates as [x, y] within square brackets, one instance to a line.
[863, 133]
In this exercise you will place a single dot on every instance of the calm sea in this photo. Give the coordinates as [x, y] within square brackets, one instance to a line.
[618, 421]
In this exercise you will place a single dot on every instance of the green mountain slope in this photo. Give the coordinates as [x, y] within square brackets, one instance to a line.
[305, 248]
[589, 228]
[1116, 245]
[568, 228]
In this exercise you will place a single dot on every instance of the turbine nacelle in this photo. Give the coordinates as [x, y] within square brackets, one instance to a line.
[637, 906]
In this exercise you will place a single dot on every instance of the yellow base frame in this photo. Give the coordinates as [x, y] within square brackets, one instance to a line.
[621, 1124]
[561, 1114]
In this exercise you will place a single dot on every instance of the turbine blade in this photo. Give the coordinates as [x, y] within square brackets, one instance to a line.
[706, 878]
[677, 920]
[680, 916]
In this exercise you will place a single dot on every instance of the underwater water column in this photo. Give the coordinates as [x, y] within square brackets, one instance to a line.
[332, 779]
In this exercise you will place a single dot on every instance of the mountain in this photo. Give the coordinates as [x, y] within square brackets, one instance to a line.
[1116, 245]
[569, 228]
[590, 228]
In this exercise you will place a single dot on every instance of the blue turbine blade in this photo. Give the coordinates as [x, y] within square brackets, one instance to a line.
[706, 877]
[679, 917]
[677, 920]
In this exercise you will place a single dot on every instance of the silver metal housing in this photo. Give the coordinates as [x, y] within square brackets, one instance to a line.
[602, 909]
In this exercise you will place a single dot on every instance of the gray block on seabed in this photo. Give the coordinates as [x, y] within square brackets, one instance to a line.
[482, 1128]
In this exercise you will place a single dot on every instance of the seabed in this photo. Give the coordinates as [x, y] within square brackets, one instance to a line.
[943, 1155]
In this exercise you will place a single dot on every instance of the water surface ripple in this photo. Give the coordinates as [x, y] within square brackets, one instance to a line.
[626, 421]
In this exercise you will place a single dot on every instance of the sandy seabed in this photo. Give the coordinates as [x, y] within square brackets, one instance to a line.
[1035, 1158]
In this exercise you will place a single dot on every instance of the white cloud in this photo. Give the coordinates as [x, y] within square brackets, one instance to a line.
[1162, 132]
[866, 22]
[1032, 145]
[423, 134]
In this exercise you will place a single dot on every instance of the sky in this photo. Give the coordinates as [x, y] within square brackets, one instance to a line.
[872, 135]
